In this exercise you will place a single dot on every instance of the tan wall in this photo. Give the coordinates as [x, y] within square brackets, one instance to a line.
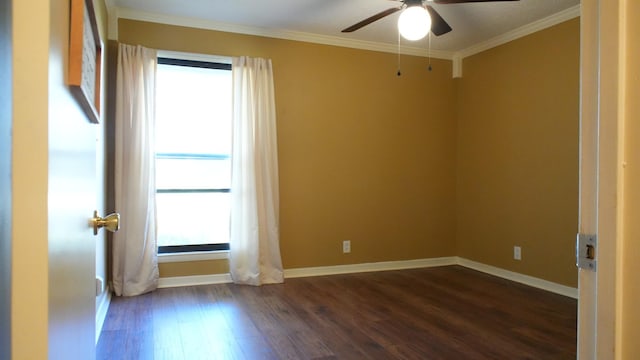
[364, 155]
[517, 144]
[372, 158]
[29, 288]
[631, 191]
[205, 267]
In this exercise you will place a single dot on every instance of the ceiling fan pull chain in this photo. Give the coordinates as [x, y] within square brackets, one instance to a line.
[399, 73]
[429, 68]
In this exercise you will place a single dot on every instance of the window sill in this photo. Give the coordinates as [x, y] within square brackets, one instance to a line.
[193, 256]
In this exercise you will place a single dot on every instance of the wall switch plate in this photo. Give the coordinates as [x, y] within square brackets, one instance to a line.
[517, 253]
[346, 246]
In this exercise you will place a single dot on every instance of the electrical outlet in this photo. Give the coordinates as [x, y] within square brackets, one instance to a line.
[517, 253]
[346, 246]
[99, 286]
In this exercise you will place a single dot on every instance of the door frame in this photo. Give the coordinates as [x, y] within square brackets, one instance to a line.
[6, 114]
[600, 174]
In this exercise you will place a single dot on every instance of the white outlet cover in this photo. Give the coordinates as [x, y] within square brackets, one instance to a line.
[517, 253]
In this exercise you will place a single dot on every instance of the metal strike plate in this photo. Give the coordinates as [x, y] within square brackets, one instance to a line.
[586, 251]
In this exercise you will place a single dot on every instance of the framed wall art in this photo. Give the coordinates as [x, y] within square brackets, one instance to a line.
[85, 58]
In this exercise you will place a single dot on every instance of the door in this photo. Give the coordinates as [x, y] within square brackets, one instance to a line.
[5, 178]
[599, 174]
[72, 199]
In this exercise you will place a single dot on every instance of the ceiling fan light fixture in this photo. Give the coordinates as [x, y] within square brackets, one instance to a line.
[414, 23]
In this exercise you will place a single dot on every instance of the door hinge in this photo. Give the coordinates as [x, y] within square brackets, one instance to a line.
[586, 251]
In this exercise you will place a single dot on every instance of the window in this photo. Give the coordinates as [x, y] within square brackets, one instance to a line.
[193, 155]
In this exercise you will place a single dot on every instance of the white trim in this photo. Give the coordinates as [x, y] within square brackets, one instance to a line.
[383, 266]
[194, 280]
[457, 66]
[523, 279]
[112, 20]
[128, 13]
[114, 13]
[195, 57]
[368, 267]
[522, 31]
[193, 256]
[312, 271]
[102, 307]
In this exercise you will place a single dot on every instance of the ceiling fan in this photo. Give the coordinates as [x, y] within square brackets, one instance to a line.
[438, 26]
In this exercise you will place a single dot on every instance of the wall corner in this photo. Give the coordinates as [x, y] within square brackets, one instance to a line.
[457, 66]
[112, 20]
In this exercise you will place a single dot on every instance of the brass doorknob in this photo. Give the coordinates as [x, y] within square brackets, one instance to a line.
[110, 222]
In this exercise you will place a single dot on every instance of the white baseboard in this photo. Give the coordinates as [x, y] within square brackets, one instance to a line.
[102, 307]
[369, 267]
[383, 266]
[523, 279]
[194, 280]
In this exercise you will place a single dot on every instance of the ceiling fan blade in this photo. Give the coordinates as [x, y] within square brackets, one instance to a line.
[438, 25]
[465, 1]
[371, 19]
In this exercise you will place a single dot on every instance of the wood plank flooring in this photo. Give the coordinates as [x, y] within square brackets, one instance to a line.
[447, 313]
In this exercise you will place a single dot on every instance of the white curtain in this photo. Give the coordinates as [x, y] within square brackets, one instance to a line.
[135, 263]
[254, 256]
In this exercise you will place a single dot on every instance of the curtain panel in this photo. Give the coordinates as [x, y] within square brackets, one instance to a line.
[135, 264]
[254, 256]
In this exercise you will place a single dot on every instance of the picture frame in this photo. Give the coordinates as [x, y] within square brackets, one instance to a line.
[85, 58]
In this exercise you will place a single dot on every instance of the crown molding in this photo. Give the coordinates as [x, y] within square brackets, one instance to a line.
[112, 20]
[127, 13]
[522, 31]
[115, 13]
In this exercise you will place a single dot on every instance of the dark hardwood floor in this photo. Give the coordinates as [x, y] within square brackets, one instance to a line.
[435, 313]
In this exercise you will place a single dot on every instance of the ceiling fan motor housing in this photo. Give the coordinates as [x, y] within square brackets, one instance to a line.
[413, 3]
[438, 26]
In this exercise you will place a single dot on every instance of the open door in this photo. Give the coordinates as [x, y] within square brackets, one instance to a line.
[72, 188]
[73, 192]
[600, 168]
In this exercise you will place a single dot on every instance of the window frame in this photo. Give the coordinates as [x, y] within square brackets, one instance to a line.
[197, 61]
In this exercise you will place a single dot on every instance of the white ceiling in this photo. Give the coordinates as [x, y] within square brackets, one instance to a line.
[472, 23]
